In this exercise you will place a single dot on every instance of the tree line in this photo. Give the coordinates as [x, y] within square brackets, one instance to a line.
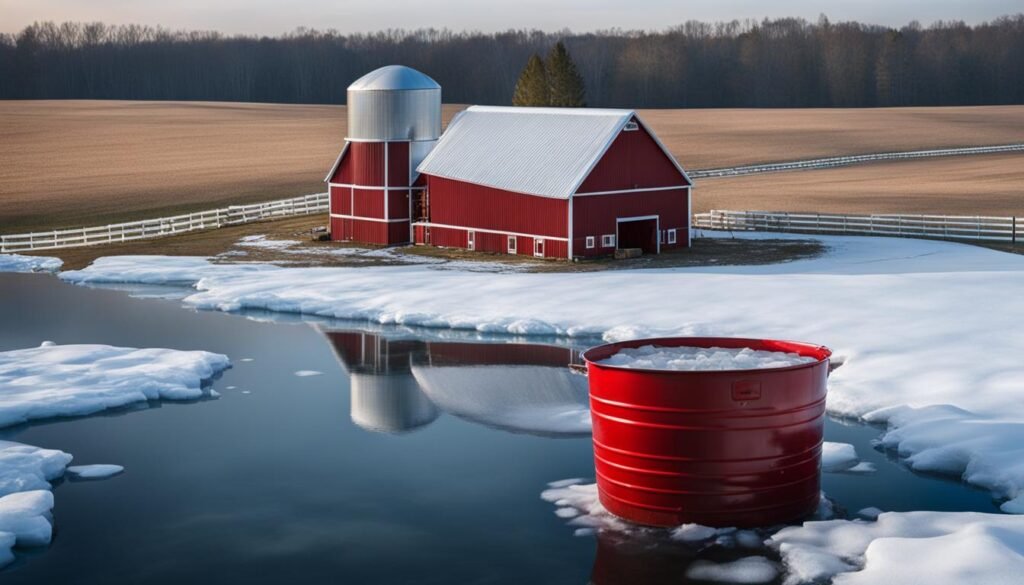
[786, 62]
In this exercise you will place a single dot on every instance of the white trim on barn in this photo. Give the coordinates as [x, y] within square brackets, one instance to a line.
[487, 231]
[376, 219]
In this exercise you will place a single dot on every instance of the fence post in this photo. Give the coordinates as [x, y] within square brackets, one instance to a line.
[1013, 230]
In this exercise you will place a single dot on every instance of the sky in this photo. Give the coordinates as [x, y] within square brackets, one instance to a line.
[273, 17]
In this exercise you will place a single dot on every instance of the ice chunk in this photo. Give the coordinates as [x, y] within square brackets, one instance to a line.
[22, 263]
[26, 468]
[838, 456]
[95, 471]
[653, 357]
[73, 380]
[870, 513]
[745, 570]
[307, 373]
[27, 516]
[693, 533]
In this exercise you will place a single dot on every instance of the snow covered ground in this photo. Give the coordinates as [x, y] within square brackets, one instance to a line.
[73, 380]
[22, 263]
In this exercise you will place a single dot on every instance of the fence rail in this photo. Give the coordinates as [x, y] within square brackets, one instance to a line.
[943, 227]
[842, 161]
[164, 226]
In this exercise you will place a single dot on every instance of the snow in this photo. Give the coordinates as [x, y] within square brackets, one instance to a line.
[25, 520]
[921, 325]
[307, 373]
[22, 263]
[937, 548]
[95, 471]
[74, 380]
[838, 456]
[745, 570]
[25, 468]
[693, 533]
[653, 357]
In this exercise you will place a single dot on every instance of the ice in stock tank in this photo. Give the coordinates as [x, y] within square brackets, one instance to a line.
[713, 447]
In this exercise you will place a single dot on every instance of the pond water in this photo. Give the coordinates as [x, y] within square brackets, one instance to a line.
[395, 464]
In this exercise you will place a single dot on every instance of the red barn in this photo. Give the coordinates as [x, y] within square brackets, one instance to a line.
[551, 182]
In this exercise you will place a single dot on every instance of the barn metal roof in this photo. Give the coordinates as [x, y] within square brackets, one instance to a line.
[393, 77]
[538, 151]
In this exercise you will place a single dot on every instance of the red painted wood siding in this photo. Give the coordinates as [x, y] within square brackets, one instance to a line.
[398, 164]
[343, 174]
[368, 203]
[367, 159]
[465, 204]
[489, 242]
[596, 215]
[398, 204]
[341, 200]
[634, 160]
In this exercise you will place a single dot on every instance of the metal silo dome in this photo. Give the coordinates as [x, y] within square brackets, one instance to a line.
[394, 103]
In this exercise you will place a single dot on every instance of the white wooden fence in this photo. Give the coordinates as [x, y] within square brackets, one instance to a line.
[842, 161]
[163, 226]
[944, 227]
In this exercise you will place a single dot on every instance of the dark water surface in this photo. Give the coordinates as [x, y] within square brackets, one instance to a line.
[352, 476]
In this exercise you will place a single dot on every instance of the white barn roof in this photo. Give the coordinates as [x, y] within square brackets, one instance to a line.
[537, 151]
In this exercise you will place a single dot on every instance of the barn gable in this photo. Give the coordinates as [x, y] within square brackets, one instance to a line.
[337, 168]
[635, 159]
[546, 152]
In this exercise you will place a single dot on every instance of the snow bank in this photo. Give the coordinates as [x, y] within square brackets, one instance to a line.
[22, 263]
[908, 547]
[919, 323]
[25, 468]
[95, 471]
[73, 380]
[652, 357]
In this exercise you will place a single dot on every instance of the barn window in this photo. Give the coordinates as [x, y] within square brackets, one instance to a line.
[671, 236]
[538, 247]
[471, 240]
[608, 241]
[631, 126]
[511, 244]
[590, 242]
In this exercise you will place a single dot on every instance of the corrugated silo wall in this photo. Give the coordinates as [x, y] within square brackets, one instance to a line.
[465, 206]
[633, 161]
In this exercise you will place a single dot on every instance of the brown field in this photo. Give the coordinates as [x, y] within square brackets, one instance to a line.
[968, 185]
[76, 163]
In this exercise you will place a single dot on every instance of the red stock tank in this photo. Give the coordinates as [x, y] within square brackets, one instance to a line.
[714, 447]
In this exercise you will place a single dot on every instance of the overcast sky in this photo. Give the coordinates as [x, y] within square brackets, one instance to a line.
[272, 17]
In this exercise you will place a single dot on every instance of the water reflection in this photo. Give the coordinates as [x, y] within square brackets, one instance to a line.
[400, 384]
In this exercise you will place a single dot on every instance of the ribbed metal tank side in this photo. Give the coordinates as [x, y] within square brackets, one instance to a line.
[394, 114]
[719, 448]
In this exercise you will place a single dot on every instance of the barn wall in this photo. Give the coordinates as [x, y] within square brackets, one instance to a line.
[343, 174]
[596, 215]
[487, 242]
[634, 160]
[367, 159]
[341, 200]
[398, 204]
[464, 204]
[398, 164]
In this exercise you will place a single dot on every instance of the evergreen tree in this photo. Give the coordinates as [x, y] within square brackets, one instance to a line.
[565, 84]
[532, 85]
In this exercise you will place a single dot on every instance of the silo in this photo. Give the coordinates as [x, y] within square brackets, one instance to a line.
[394, 120]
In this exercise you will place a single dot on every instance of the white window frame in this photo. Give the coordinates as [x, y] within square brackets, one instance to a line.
[538, 247]
[590, 242]
[672, 236]
[471, 239]
[512, 245]
[608, 240]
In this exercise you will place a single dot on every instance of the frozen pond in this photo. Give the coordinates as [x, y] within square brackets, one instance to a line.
[343, 453]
